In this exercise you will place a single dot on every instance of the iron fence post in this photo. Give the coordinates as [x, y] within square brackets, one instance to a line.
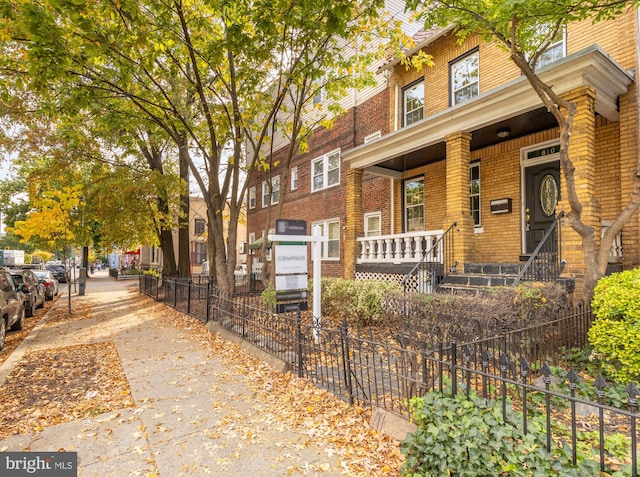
[175, 294]
[346, 364]
[633, 405]
[466, 352]
[454, 381]
[524, 372]
[573, 378]
[299, 333]
[440, 364]
[546, 377]
[504, 364]
[600, 385]
[189, 287]
[208, 303]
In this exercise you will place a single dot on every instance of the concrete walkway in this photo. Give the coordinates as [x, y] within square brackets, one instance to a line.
[191, 413]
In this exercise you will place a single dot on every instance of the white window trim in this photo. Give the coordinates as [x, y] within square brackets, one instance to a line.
[562, 42]
[325, 170]
[479, 194]
[252, 195]
[404, 102]
[325, 245]
[452, 91]
[366, 223]
[276, 180]
[266, 193]
[404, 200]
[294, 178]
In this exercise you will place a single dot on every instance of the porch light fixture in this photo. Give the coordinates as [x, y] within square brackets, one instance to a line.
[503, 132]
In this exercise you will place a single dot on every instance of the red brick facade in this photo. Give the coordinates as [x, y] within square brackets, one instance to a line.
[604, 147]
[347, 132]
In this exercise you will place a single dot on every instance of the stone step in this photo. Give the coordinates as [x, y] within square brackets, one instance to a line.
[476, 281]
[500, 269]
[477, 276]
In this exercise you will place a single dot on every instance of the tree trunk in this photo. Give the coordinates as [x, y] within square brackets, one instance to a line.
[85, 257]
[184, 246]
[169, 268]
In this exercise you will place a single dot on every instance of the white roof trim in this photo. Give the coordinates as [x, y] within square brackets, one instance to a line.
[589, 67]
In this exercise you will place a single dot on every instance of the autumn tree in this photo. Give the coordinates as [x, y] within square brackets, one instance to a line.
[525, 30]
[52, 155]
[54, 219]
[211, 76]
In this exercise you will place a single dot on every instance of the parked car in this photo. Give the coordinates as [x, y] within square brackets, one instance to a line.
[34, 294]
[11, 306]
[59, 272]
[50, 283]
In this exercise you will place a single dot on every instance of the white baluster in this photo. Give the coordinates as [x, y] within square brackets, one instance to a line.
[379, 251]
[398, 251]
[388, 249]
[407, 247]
[418, 249]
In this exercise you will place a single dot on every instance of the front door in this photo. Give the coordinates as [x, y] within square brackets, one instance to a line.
[542, 193]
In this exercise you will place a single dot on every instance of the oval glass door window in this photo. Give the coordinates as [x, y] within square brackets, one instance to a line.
[548, 195]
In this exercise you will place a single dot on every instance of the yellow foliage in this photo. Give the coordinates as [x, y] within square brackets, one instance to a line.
[52, 217]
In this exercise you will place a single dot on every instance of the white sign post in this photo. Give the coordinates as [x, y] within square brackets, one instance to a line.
[293, 264]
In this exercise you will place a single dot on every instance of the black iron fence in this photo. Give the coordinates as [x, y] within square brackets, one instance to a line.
[496, 361]
[150, 286]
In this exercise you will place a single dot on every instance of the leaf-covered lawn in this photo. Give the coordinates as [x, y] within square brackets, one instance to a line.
[57, 385]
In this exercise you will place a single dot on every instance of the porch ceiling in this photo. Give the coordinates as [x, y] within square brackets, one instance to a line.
[514, 105]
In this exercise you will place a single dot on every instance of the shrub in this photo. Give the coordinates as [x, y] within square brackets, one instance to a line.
[506, 307]
[615, 334]
[467, 436]
[152, 272]
[269, 296]
[361, 300]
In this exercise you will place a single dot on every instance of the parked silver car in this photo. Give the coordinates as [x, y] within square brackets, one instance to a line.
[33, 290]
[11, 306]
[50, 283]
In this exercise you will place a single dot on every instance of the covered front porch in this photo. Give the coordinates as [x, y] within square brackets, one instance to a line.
[514, 143]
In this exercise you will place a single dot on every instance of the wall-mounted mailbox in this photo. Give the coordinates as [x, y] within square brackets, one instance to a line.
[501, 206]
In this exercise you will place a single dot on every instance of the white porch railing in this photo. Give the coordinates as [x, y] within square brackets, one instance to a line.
[615, 255]
[400, 248]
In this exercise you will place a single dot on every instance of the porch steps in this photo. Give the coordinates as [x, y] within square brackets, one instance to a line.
[477, 276]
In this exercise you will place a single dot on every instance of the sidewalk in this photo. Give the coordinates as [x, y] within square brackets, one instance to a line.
[195, 412]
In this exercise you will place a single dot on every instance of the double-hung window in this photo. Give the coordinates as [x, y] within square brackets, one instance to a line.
[414, 205]
[474, 193]
[556, 50]
[413, 103]
[252, 198]
[330, 229]
[372, 224]
[199, 252]
[325, 171]
[294, 178]
[465, 78]
[199, 226]
[273, 191]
